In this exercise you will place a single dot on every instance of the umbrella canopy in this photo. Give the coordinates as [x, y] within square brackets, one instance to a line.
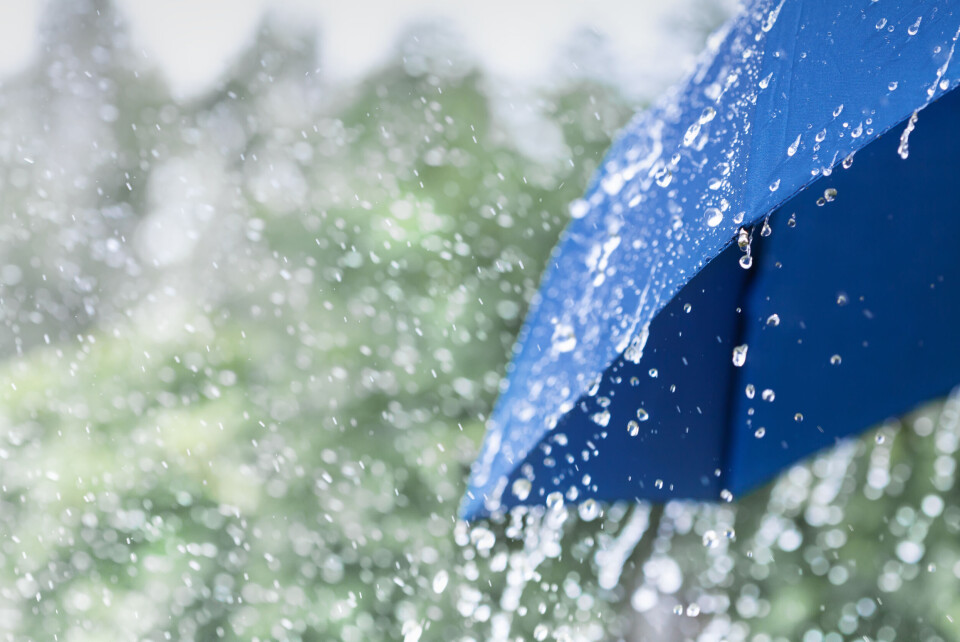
[736, 290]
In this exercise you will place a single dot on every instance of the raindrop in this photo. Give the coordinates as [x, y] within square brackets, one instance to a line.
[663, 177]
[708, 114]
[830, 194]
[835, 360]
[880, 438]
[798, 417]
[726, 495]
[541, 632]
[740, 355]
[521, 488]
[881, 23]
[743, 240]
[555, 500]
[642, 414]
[633, 428]
[775, 185]
[768, 394]
[836, 112]
[774, 320]
[687, 307]
[750, 391]
[564, 339]
[601, 418]
[793, 146]
[746, 261]
[440, 581]
[915, 27]
[589, 510]
[693, 610]
[653, 373]
[848, 161]
[483, 538]
[792, 221]
[658, 484]
[760, 432]
[579, 208]
[730, 533]
[691, 134]
[842, 298]
[892, 85]
[678, 609]
[766, 230]
[714, 216]
[711, 539]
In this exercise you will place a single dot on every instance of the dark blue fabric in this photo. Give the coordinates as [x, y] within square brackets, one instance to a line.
[789, 90]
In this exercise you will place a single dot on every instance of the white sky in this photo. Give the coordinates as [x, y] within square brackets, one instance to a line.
[193, 41]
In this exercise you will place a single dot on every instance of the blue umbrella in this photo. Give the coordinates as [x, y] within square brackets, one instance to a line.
[736, 290]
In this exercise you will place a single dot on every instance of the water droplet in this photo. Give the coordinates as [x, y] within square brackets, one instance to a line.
[658, 484]
[653, 373]
[540, 632]
[830, 194]
[579, 208]
[798, 417]
[440, 581]
[564, 339]
[663, 177]
[881, 23]
[678, 609]
[915, 27]
[521, 488]
[750, 391]
[740, 355]
[633, 428]
[693, 610]
[793, 146]
[691, 134]
[892, 85]
[589, 510]
[601, 418]
[792, 221]
[771, 18]
[634, 351]
[708, 114]
[880, 438]
[842, 298]
[774, 320]
[726, 495]
[730, 533]
[482, 538]
[835, 360]
[714, 216]
[687, 307]
[775, 185]
[760, 432]
[711, 539]
[848, 161]
[768, 394]
[642, 415]
[555, 500]
[746, 261]
[766, 230]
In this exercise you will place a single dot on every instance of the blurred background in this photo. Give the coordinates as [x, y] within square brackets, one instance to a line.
[260, 275]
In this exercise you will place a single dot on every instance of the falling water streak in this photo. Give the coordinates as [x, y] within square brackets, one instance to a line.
[610, 561]
[904, 148]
